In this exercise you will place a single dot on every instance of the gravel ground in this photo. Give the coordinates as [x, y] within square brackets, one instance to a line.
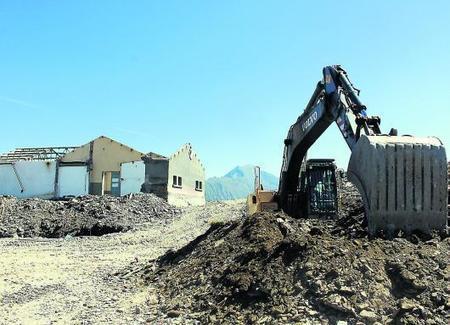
[73, 280]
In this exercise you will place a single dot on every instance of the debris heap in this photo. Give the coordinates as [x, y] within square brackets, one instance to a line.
[272, 268]
[81, 216]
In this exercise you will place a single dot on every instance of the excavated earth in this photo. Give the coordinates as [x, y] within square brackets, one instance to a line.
[270, 268]
[81, 216]
[154, 263]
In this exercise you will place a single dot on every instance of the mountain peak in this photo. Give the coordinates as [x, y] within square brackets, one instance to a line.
[237, 184]
[240, 171]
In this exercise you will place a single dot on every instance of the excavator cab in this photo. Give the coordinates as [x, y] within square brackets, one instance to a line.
[316, 194]
[320, 188]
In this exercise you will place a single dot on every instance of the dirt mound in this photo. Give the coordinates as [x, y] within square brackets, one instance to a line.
[272, 268]
[81, 216]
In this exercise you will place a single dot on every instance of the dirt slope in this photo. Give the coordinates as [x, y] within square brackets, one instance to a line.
[270, 267]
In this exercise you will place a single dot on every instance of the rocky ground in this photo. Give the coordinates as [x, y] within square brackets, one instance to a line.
[214, 264]
[271, 268]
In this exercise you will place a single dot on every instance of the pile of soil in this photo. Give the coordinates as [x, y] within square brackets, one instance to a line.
[81, 216]
[272, 268]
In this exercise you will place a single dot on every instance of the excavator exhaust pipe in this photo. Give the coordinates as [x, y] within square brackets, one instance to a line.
[403, 183]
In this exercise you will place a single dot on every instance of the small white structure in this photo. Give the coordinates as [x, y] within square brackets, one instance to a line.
[72, 181]
[132, 177]
[25, 179]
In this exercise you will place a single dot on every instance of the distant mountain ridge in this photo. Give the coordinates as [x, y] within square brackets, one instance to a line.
[237, 184]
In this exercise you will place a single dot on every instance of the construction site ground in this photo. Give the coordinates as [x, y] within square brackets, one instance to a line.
[71, 280]
[214, 264]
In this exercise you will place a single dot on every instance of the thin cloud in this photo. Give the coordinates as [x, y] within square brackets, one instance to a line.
[18, 102]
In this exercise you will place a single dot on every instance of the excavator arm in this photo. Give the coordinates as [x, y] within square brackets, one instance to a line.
[334, 100]
[392, 173]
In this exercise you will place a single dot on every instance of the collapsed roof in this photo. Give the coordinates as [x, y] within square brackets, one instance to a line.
[44, 153]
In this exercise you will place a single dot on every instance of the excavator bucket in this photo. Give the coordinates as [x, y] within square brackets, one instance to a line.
[403, 183]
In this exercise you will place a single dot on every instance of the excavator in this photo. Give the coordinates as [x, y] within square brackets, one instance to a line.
[402, 179]
[317, 191]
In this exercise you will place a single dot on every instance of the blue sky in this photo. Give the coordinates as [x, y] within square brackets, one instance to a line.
[230, 77]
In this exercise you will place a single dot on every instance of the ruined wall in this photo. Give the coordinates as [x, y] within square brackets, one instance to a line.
[186, 164]
[132, 177]
[25, 179]
[72, 180]
[156, 177]
[107, 155]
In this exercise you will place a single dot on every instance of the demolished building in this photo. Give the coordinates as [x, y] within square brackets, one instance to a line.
[179, 179]
[104, 157]
[102, 166]
[37, 172]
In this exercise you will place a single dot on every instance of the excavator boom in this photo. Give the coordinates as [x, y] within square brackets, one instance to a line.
[402, 179]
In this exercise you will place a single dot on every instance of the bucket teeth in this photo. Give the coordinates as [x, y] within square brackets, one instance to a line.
[403, 182]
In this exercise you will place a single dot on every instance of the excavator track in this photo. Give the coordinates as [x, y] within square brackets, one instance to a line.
[403, 183]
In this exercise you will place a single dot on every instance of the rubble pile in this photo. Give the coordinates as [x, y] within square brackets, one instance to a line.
[80, 216]
[351, 220]
[270, 268]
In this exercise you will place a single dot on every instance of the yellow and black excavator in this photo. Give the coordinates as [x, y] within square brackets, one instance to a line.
[402, 179]
[317, 190]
